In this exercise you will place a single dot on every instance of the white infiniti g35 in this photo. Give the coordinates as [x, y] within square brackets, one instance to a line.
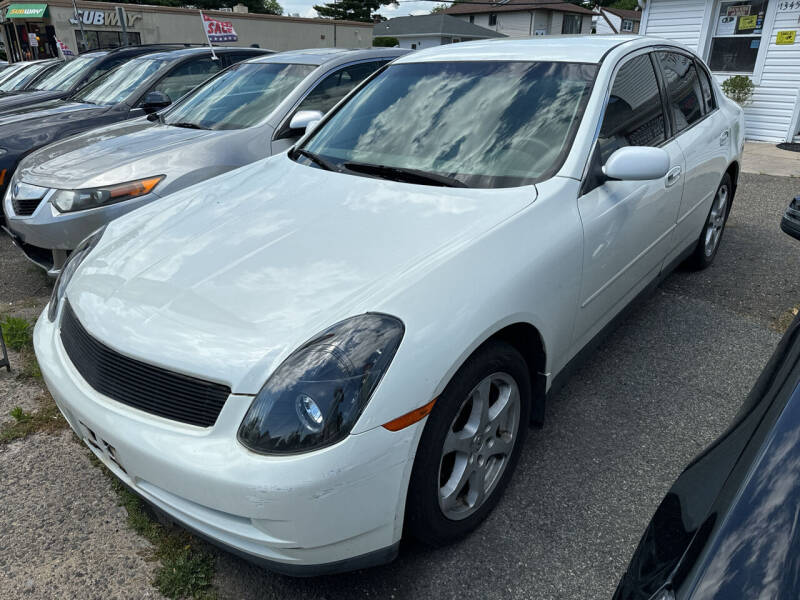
[306, 357]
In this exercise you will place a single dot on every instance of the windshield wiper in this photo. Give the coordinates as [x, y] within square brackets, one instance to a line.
[187, 125]
[318, 160]
[404, 174]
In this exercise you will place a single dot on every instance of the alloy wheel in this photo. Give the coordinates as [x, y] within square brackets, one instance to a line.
[478, 445]
[716, 220]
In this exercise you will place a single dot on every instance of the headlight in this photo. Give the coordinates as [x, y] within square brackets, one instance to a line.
[72, 200]
[315, 396]
[68, 270]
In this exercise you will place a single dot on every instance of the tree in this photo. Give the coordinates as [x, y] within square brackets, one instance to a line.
[352, 10]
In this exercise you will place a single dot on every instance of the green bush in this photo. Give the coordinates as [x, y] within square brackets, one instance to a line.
[739, 88]
[385, 42]
[18, 333]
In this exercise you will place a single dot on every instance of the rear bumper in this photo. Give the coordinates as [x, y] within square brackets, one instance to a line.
[335, 509]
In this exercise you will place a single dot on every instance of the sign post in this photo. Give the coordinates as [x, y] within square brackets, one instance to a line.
[83, 43]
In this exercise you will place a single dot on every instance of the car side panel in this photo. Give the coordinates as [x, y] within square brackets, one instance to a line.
[527, 269]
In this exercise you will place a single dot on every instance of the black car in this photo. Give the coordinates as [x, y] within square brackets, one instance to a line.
[730, 525]
[143, 85]
[74, 74]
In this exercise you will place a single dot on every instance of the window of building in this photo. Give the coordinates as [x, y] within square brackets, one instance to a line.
[685, 99]
[627, 25]
[105, 39]
[492, 19]
[472, 18]
[571, 24]
[736, 36]
[413, 46]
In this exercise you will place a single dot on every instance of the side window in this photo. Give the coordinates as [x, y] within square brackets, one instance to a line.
[186, 76]
[634, 115]
[709, 103]
[231, 58]
[683, 88]
[330, 90]
[337, 85]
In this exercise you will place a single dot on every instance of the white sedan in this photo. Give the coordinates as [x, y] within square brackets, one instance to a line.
[307, 357]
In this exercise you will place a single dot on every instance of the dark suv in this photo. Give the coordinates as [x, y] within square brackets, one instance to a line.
[74, 74]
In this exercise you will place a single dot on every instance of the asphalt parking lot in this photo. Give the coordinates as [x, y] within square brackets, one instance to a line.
[658, 390]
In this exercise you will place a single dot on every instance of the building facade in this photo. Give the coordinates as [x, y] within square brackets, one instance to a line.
[756, 38]
[26, 24]
[525, 18]
[611, 21]
[425, 31]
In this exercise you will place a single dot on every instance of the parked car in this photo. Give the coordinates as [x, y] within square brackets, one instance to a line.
[76, 73]
[304, 357]
[10, 70]
[144, 84]
[23, 78]
[254, 109]
[727, 528]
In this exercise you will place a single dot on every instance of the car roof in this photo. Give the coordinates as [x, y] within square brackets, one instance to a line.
[564, 48]
[180, 53]
[321, 56]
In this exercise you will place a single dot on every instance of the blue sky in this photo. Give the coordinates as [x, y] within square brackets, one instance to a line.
[305, 8]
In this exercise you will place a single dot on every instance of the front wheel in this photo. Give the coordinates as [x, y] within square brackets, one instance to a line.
[710, 237]
[470, 445]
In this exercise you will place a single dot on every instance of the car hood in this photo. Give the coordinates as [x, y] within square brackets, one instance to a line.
[28, 97]
[223, 279]
[45, 113]
[116, 153]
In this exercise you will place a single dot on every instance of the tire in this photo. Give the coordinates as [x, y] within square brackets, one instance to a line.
[711, 236]
[434, 516]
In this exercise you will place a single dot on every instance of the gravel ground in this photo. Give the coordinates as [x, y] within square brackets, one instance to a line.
[663, 386]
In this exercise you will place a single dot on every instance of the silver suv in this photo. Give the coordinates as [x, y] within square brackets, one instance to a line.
[259, 107]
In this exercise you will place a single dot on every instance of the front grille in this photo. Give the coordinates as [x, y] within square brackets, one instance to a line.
[146, 387]
[25, 208]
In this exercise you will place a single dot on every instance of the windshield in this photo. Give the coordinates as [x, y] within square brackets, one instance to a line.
[11, 71]
[115, 86]
[480, 124]
[242, 96]
[20, 78]
[64, 77]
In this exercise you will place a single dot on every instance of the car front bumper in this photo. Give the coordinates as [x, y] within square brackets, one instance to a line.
[334, 509]
[47, 236]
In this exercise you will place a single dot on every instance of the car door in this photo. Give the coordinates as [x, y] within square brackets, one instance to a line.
[703, 134]
[324, 95]
[627, 225]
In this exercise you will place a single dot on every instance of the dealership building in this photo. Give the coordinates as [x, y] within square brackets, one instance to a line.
[756, 38]
[30, 29]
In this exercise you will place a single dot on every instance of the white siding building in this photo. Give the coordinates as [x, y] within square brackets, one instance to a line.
[610, 21]
[757, 38]
[525, 18]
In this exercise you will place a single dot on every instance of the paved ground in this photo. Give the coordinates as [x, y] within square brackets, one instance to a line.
[662, 386]
[765, 159]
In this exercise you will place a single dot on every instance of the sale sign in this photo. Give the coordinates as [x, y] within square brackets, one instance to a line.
[63, 48]
[219, 31]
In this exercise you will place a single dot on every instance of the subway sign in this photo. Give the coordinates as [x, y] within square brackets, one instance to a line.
[105, 18]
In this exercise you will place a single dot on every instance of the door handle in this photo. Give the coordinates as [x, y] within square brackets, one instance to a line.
[723, 138]
[673, 176]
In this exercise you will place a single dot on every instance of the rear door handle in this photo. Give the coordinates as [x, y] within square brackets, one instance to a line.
[723, 138]
[673, 176]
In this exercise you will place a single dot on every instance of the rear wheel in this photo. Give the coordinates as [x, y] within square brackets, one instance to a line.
[470, 445]
[710, 238]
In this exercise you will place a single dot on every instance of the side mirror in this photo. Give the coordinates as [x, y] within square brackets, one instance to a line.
[305, 119]
[791, 219]
[637, 163]
[154, 101]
